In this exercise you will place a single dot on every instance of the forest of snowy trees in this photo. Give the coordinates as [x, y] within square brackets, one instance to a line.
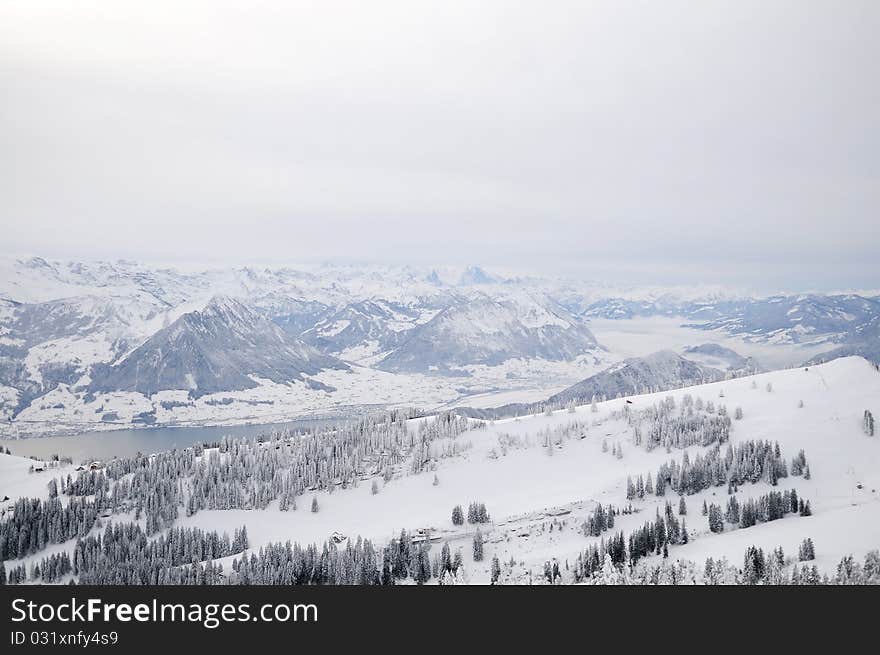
[249, 474]
[597, 567]
[695, 423]
[748, 461]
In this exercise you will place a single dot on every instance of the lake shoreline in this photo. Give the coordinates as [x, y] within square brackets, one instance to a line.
[127, 442]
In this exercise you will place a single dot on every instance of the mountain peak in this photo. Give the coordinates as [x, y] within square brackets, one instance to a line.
[475, 275]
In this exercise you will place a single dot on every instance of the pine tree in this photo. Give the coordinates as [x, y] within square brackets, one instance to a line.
[374, 488]
[705, 509]
[436, 480]
[868, 424]
[496, 569]
[457, 515]
[445, 559]
[456, 561]
[682, 506]
[478, 546]
[806, 551]
[315, 506]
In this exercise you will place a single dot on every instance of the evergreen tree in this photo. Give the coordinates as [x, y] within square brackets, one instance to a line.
[478, 546]
[457, 515]
[868, 424]
[445, 559]
[682, 506]
[716, 521]
[315, 506]
[806, 551]
[496, 569]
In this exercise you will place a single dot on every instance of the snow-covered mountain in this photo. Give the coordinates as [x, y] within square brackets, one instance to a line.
[366, 328]
[778, 319]
[657, 372]
[480, 329]
[663, 370]
[717, 356]
[439, 334]
[792, 319]
[223, 347]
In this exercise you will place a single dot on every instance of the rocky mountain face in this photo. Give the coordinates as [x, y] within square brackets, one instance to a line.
[220, 348]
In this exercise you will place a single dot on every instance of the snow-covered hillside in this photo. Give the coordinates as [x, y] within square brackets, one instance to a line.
[541, 478]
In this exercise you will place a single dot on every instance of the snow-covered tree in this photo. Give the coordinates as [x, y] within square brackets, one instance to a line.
[806, 551]
[478, 546]
[495, 569]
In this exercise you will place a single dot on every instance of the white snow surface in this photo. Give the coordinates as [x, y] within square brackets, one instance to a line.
[523, 488]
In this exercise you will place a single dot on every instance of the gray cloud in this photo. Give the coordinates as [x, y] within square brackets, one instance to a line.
[677, 141]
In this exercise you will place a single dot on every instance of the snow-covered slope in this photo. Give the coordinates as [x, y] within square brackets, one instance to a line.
[526, 485]
[542, 476]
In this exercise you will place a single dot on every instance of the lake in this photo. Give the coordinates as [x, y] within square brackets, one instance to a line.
[125, 443]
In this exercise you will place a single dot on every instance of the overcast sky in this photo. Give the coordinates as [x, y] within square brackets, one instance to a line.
[732, 142]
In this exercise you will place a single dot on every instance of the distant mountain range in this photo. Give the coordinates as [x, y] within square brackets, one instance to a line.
[79, 339]
[796, 319]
